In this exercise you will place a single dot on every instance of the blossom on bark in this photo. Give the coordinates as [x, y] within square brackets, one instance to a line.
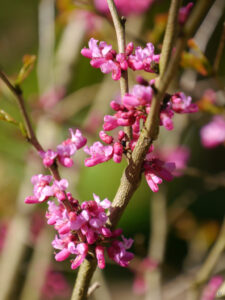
[42, 189]
[156, 171]
[65, 150]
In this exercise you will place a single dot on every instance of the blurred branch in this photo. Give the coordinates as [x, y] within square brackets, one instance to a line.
[202, 37]
[216, 180]
[219, 52]
[206, 269]
[46, 44]
[38, 267]
[157, 244]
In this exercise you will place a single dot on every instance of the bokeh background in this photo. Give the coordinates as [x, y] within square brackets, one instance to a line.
[63, 91]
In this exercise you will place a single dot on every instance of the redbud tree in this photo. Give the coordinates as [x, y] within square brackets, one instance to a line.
[87, 232]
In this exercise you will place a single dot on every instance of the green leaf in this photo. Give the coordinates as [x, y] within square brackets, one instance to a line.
[28, 64]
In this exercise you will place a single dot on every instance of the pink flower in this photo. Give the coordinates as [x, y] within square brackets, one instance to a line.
[144, 59]
[77, 139]
[69, 147]
[213, 133]
[98, 153]
[102, 56]
[140, 284]
[212, 287]
[184, 13]
[42, 190]
[81, 251]
[55, 285]
[59, 188]
[117, 252]
[179, 156]
[140, 96]
[156, 170]
[99, 251]
[52, 97]
[125, 7]
[166, 116]
[105, 137]
[48, 157]
[180, 103]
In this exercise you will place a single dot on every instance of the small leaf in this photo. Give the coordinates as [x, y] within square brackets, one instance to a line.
[28, 64]
[4, 116]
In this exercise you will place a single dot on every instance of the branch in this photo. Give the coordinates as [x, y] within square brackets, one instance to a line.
[83, 279]
[119, 24]
[132, 174]
[169, 36]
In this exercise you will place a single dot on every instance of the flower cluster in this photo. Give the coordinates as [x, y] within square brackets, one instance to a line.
[65, 150]
[80, 227]
[104, 57]
[85, 225]
[132, 110]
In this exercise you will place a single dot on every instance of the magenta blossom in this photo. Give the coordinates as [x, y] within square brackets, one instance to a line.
[140, 284]
[179, 156]
[102, 56]
[98, 153]
[180, 103]
[209, 292]
[144, 59]
[42, 189]
[65, 150]
[117, 252]
[125, 7]
[156, 171]
[55, 285]
[213, 133]
[140, 96]
[184, 13]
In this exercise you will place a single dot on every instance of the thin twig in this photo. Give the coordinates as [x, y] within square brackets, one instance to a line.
[119, 24]
[157, 244]
[169, 36]
[219, 52]
[19, 97]
[92, 288]
[32, 139]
